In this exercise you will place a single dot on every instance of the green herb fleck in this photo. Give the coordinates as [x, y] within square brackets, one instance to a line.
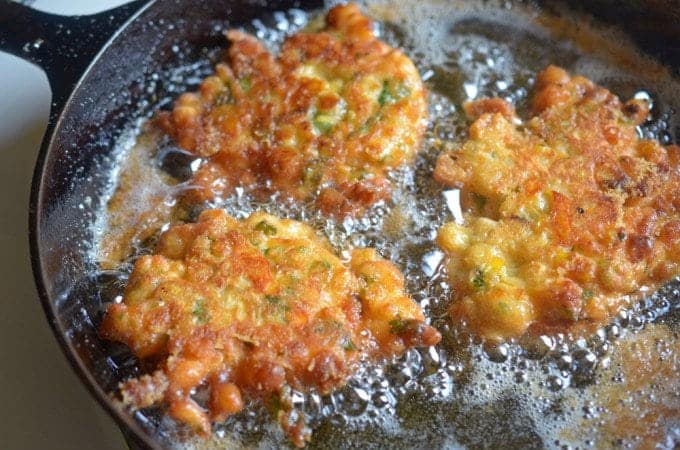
[312, 174]
[320, 265]
[480, 201]
[588, 294]
[362, 174]
[385, 95]
[398, 325]
[266, 228]
[273, 299]
[274, 251]
[303, 249]
[327, 326]
[277, 308]
[478, 281]
[369, 123]
[569, 313]
[349, 346]
[224, 97]
[275, 404]
[200, 312]
[368, 279]
[323, 123]
[245, 84]
[389, 95]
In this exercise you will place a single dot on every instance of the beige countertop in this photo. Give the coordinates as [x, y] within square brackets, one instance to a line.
[44, 404]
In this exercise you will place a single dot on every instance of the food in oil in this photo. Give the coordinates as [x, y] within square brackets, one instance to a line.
[521, 394]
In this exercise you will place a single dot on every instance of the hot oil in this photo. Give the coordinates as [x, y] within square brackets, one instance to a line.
[552, 392]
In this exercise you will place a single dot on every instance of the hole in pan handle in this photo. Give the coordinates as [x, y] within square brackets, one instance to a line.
[63, 46]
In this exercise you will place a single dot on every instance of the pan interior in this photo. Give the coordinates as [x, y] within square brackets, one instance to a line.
[554, 392]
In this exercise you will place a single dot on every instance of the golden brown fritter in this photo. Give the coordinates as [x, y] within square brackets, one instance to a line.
[566, 215]
[330, 116]
[252, 307]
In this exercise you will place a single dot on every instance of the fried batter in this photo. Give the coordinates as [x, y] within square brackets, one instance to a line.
[566, 216]
[330, 116]
[252, 308]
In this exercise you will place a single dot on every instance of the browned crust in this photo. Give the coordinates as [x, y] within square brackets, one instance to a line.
[584, 211]
[252, 308]
[330, 116]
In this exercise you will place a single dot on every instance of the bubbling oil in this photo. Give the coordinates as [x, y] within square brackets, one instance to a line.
[552, 392]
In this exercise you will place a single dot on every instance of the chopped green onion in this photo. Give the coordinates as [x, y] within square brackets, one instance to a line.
[199, 311]
[478, 281]
[389, 95]
[224, 97]
[323, 123]
[349, 346]
[398, 325]
[245, 84]
[267, 229]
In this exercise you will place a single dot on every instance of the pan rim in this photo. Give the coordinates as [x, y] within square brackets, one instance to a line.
[124, 421]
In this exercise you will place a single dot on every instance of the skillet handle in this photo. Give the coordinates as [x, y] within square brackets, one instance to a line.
[63, 46]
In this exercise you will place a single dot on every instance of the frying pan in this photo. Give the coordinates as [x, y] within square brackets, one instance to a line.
[99, 69]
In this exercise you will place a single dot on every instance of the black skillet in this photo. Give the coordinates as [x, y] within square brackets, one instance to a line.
[98, 67]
